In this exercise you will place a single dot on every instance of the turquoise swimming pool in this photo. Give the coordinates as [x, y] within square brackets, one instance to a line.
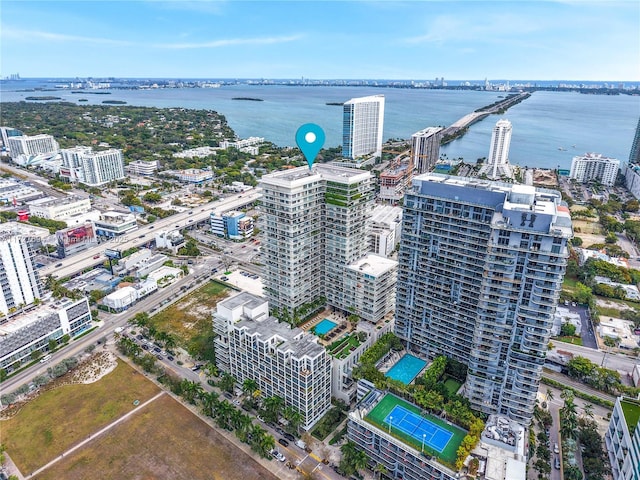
[406, 369]
[324, 327]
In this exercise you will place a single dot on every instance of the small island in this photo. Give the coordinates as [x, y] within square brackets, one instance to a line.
[337, 104]
[251, 99]
[114, 102]
[83, 100]
[91, 93]
[43, 98]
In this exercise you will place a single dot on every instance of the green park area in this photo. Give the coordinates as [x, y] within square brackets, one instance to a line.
[163, 441]
[631, 409]
[61, 417]
[389, 402]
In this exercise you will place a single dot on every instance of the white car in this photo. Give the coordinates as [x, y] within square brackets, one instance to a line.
[277, 455]
[555, 448]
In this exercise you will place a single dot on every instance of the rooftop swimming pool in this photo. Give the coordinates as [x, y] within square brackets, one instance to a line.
[406, 369]
[324, 327]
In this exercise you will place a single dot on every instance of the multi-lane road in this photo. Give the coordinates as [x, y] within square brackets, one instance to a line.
[94, 255]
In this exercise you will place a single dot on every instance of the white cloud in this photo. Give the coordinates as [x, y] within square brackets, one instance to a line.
[453, 29]
[231, 42]
[26, 35]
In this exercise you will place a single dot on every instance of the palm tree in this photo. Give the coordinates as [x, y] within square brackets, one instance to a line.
[209, 401]
[249, 386]
[223, 413]
[227, 382]
[588, 410]
[273, 407]
[191, 390]
[550, 395]
[293, 416]
[380, 469]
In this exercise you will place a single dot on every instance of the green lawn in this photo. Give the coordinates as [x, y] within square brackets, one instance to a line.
[631, 411]
[59, 418]
[387, 404]
[569, 282]
[452, 385]
[571, 340]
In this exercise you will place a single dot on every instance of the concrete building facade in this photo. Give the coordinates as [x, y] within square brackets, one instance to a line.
[28, 150]
[481, 266]
[594, 167]
[115, 224]
[314, 226]
[82, 164]
[59, 208]
[284, 361]
[425, 149]
[497, 165]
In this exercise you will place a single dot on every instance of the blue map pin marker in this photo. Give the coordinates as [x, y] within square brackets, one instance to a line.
[310, 139]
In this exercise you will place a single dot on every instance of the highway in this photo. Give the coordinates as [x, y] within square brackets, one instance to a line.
[150, 304]
[78, 263]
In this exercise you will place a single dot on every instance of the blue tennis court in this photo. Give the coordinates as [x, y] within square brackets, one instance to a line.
[419, 428]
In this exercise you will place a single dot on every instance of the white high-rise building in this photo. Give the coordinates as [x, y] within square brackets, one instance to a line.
[31, 150]
[19, 282]
[623, 439]
[425, 149]
[82, 164]
[593, 166]
[283, 361]
[313, 225]
[497, 165]
[362, 124]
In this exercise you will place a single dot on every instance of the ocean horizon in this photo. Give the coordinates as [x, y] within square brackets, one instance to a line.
[549, 128]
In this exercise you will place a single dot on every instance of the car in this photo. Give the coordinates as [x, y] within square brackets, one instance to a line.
[224, 279]
[260, 419]
[58, 264]
[196, 367]
[244, 246]
[139, 337]
[236, 402]
[557, 463]
[151, 227]
[289, 437]
[573, 304]
[158, 356]
[96, 256]
[555, 448]
[279, 430]
[228, 395]
[283, 442]
[141, 236]
[190, 220]
[170, 358]
[144, 346]
[157, 349]
[278, 456]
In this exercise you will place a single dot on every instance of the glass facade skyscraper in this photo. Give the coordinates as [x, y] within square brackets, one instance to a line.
[481, 266]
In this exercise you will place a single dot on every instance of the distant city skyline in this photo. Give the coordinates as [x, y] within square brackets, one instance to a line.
[546, 40]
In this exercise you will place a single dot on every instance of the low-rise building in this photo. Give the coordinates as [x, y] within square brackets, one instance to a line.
[249, 145]
[142, 167]
[75, 239]
[344, 357]
[191, 175]
[620, 330]
[59, 208]
[164, 275]
[23, 334]
[284, 361]
[171, 240]
[622, 439]
[124, 297]
[233, 225]
[115, 224]
[16, 191]
[562, 316]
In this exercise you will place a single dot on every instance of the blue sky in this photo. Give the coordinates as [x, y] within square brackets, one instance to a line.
[545, 40]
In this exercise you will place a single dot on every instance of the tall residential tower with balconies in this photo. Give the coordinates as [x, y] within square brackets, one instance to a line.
[362, 124]
[481, 266]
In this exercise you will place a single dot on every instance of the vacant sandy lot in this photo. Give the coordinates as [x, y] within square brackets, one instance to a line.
[164, 441]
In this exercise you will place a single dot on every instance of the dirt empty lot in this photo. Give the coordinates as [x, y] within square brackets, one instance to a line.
[164, 441]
